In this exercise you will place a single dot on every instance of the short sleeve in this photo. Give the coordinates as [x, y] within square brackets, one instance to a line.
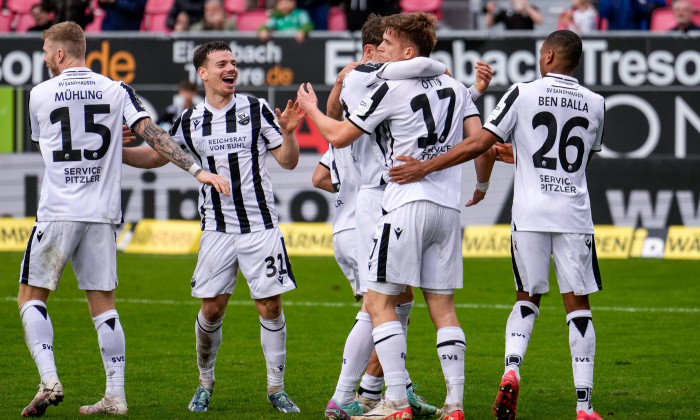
[326, 159]
[34, 122]
[133, 107]
[269, 127]
[470, 109]
[502, 119]
[373, 109]
[598, 143]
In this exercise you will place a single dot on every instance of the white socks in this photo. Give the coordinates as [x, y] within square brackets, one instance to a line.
[358, 348]
[208, 337]
[451, 347]
[403, 312]
[110, 337]
[390, 344]
[518, 330]
[273, 337]
[38, 334]
[582, 344]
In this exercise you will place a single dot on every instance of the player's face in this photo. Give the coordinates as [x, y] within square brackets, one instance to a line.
[51, 55]
[220, 72]
[391, 48]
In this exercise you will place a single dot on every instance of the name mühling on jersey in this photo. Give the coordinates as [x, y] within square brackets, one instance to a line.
[69, 95]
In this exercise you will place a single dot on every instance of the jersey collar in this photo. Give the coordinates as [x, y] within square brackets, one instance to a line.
[228, 106]
[562, 77]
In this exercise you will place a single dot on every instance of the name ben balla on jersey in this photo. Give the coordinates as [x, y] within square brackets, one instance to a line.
[561, 184]
[564, 102]
[82, 175]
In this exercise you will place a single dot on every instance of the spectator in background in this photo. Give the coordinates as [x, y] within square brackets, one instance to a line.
[78, 11]
[318, 11]
[357, 11]
[122, 15]
[193, 8]
[182, 22]
[185, 98]
[582, 18]
[628, 14]
[519, 15]
[683, 12]
[43, 14]
[287, 18]
[214, 18]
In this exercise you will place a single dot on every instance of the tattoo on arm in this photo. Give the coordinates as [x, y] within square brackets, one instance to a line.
[161, 141]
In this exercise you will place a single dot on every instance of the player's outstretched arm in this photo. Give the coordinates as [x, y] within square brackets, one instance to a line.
[287, 155]
[338, 133]
[161, 141]
[414, 170]
[415, 67]
[143, 157]
[321, 178]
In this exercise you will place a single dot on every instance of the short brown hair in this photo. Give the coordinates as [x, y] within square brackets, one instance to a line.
[417, 28]
[373, 30]
[567, 44]
[201, 53]
[70, 36]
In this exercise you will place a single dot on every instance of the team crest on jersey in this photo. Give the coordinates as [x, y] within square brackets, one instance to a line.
[200, 145]
[364, 106]
[243, 118]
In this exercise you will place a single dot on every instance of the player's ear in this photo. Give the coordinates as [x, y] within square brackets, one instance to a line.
[202, 72]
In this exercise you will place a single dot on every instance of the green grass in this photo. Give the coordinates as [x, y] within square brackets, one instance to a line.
[646, 360]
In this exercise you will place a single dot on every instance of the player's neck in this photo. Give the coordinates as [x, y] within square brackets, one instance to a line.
[218, 101]
[73, 64]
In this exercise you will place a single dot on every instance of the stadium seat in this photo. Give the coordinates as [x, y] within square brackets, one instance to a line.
[20, 6]
[154, 22]
[158, 6]
[251, 21]
[6, 18]
[234, 7]
[96, 24]
[431, 6]
[601, 24]
[336, 19]
[662, 20]
[23, 22]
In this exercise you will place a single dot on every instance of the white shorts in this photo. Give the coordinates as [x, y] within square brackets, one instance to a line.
[261, 256]
[575, 262]
[419, 244]
[346, 255]
[368, 212]
[90, 247]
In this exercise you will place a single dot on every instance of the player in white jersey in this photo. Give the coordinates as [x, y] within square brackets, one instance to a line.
[555, 125]
[427, 115]
[76, 120]
[230, 134]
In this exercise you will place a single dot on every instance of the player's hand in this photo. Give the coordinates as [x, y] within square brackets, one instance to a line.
[307, 100]
[127, 135]
[220, 184]
[291, 117]
[504, 152]
[484, 73]
[344, 72]
[411, 171]
[476, 198]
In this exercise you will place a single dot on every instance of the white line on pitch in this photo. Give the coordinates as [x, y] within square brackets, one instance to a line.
[196, 302]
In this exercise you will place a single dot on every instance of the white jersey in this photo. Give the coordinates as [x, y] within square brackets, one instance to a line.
[421, 118]
[345, 178]
[76, 117]
[554, 124]
[367, 149]
[233, 142]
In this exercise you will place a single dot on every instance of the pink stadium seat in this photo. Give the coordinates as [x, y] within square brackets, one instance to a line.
[235, 7]
[696, 18]
[251, 21]
[696, 5]
[155, 22]
[6, 21]
[96, 24]
[20, 6]
[158, 6]
[432, 6]
[662, 20]
[336, 19]
[24, 21]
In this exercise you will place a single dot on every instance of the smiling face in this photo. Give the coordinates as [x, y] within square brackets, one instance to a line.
[219, 73]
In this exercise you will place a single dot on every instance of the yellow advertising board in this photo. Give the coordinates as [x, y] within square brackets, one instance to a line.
[486, 241]
[165, 237]
[309, 239]
[683, 243]
[14, 233]
[613, 241]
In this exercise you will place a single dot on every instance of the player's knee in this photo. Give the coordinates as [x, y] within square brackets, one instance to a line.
[269, 308]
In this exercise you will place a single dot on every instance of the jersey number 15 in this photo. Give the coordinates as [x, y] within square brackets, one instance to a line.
[68, 154]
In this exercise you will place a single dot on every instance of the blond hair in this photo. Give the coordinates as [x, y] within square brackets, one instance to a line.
[70, 36]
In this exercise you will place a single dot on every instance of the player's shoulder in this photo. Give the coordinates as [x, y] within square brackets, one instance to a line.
[368, 67]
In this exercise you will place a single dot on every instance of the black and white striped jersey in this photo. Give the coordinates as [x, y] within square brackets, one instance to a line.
[356, 85]
[233, 142]
[345, 177]
[76, 118]
[421, 118]
[554, 124]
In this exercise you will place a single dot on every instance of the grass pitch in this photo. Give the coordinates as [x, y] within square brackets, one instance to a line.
[646, 322]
